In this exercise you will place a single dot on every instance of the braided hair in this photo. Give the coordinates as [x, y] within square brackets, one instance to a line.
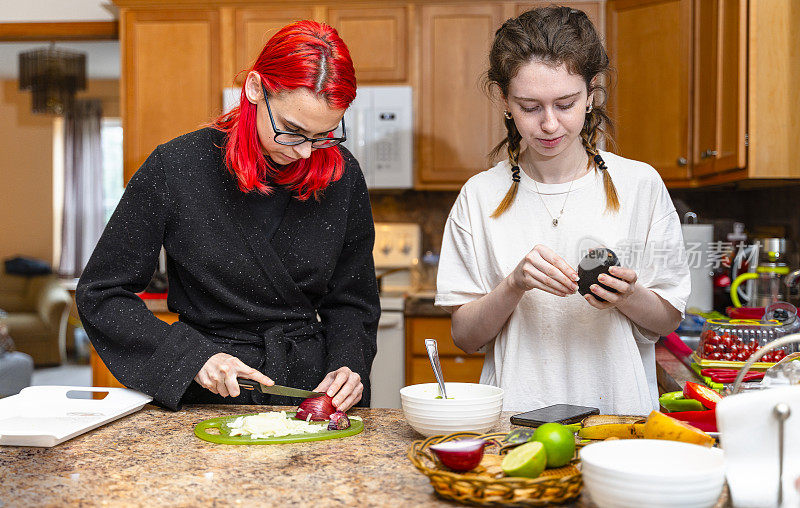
[558, 35]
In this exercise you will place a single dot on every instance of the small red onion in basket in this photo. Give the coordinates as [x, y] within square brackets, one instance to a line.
[461, 455]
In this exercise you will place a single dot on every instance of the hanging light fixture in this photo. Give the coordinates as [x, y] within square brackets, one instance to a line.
[53, 75]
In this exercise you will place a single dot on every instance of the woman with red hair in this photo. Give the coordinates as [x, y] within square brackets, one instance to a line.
[267, 227]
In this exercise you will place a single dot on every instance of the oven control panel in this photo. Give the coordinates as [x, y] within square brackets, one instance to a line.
[397, 244]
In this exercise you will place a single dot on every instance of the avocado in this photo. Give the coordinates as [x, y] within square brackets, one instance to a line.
[597, 261]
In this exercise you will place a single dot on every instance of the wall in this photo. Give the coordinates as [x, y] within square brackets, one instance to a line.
[26, 177]
[27, 186]
[57, 10]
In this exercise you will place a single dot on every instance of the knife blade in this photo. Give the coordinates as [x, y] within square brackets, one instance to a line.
[286, 391]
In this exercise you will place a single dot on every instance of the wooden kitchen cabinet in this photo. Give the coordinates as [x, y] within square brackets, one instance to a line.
[458, 124]
[170, 79]
[439, 48]
[707, 112]
[718, 108]
[457, 366]
[649, 46]
[378, 39]
[253, 28]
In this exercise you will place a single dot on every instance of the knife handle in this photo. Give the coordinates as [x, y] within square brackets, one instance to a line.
[247, 384]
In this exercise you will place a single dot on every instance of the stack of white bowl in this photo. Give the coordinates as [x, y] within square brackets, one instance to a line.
[654, 473]
[468, 407]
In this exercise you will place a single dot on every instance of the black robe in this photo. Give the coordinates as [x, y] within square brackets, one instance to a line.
[287, 286]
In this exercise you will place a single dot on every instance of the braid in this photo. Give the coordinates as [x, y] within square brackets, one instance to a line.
[589, 134]
[513, 139]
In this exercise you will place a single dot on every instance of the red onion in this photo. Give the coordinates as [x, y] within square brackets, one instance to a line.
[460, 455]
[339, 421]
[320, 408]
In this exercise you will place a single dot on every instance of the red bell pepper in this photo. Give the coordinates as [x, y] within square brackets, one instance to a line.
[705, 395]
[703, 420]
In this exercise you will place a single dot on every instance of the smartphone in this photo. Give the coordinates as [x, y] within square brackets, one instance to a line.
[561, 413]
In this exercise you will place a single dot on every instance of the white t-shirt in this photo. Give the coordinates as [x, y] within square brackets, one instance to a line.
[562, 350]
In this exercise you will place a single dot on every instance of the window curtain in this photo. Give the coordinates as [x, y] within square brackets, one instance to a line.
[83, 218]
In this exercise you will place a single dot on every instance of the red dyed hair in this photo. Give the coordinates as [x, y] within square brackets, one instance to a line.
[303, 54]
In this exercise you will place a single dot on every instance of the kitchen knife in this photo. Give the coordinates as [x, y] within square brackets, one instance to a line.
[249, 384]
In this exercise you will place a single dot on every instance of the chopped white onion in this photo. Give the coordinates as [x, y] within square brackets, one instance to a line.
[272, 424]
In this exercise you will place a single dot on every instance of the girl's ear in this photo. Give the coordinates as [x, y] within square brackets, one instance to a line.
[252, 87]
[590, 99]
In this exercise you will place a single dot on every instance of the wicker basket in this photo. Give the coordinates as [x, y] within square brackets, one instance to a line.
[484, 489]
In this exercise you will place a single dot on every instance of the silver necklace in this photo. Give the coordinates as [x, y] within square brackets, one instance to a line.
[555, 219]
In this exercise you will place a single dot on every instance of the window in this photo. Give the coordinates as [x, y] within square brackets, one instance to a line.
[111, 140]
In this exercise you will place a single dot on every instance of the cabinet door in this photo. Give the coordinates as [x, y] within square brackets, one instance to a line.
[458, 123]
[377, 39]
[704, 103]
[457, 369]
[773, 88]
[719, 87]
[649, 45]
[170, 77]
[255, 26]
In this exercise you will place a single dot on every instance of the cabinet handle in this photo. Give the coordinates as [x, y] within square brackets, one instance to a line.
[682, 161]
[708, 153]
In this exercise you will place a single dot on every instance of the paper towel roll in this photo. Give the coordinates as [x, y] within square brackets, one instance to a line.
[697, 240]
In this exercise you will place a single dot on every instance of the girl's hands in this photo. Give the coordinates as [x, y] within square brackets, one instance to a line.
[543, 269]
[621, 279]
[344, 386]
[220, 372]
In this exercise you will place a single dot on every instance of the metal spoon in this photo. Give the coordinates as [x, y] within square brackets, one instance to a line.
[433, 356]
[782, 413]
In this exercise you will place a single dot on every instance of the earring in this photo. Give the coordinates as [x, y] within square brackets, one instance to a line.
[508, 116]
[589, 108]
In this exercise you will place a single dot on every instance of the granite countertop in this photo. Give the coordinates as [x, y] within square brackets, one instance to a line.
[152, 457]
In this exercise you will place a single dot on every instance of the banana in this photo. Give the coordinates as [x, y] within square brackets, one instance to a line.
[615, 430]
[593, 420]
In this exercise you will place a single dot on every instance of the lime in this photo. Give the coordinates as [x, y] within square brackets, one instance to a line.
[526, 460]
[559, 442]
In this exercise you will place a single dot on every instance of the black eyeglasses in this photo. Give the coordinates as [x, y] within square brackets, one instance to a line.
[295, 138]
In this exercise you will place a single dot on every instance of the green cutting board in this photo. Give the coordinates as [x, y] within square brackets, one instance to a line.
[224, 436]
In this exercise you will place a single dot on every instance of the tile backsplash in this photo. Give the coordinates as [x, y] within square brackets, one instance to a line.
[774, 210]
[427, 208]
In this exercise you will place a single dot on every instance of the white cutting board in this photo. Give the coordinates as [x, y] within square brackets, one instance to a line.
[46, 416]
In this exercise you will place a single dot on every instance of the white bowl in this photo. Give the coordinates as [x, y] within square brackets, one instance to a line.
[625, 498]
[653, 473]
[469, 407]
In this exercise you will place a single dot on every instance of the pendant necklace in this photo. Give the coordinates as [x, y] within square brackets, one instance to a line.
[555, 219]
